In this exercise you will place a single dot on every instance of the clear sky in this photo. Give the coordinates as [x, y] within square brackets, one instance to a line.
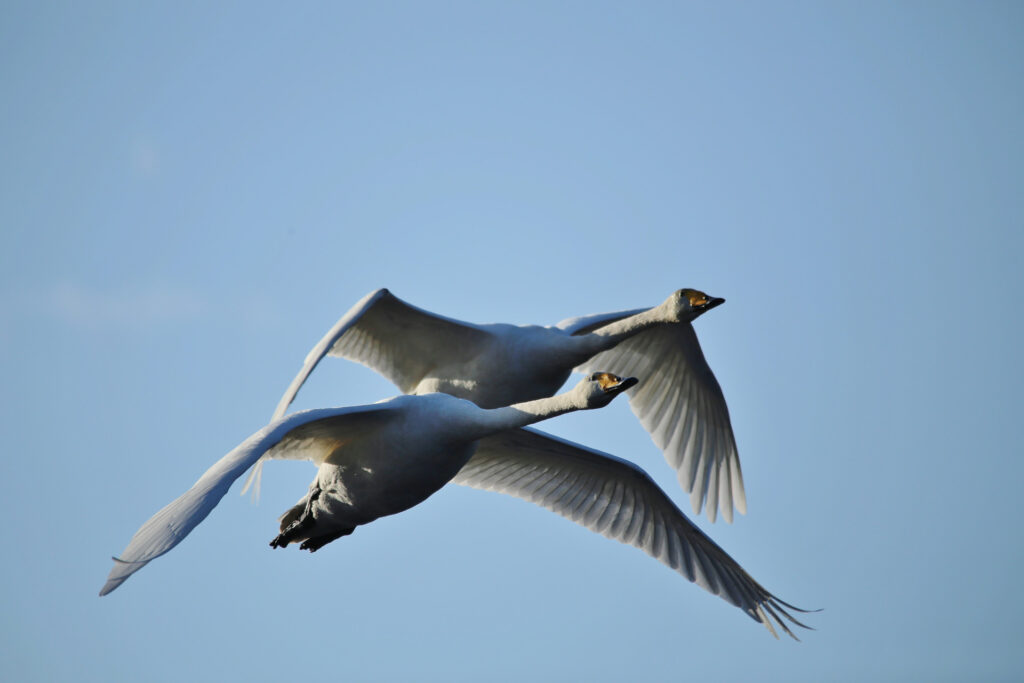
[191, 195]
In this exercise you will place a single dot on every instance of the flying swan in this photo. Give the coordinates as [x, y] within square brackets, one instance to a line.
[380, 459]
[678, 399]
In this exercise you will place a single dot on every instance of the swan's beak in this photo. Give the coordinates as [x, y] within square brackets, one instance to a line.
[618, 385]
[709, 303]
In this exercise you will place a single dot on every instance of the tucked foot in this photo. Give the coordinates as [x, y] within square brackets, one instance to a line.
[314, 544]
[289, 534]
[303, 521]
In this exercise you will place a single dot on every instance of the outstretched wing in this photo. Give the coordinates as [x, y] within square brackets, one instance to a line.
[680, 404]
[308, 435]
[398, 340]
[619, 500]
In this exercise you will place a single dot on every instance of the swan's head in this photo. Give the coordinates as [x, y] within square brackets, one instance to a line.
[600, 388]
[686, 304]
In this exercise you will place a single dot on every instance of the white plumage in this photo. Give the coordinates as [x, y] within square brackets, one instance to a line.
[616, 499]
[678, 399]
[384, 458]
[374, 460]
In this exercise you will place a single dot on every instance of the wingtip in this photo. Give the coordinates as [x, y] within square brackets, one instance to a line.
[696, 502]
[120, 573]
[760, 615]
[709, 510]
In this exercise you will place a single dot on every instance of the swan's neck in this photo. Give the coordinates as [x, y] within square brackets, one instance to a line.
[614, 333]
[526, 413]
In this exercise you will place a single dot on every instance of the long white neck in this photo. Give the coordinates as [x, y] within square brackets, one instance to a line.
[487, 422]
[611, 335]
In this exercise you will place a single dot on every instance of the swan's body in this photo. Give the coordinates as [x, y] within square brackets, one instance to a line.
[374, 460]
[384, 458]
[396, 457]
[678, 399]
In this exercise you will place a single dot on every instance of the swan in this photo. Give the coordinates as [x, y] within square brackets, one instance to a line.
[384, 458]
[678, 399]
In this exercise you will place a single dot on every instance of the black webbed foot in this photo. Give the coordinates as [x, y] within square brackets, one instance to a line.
[314, 544]
[302, 522]
[289, 534]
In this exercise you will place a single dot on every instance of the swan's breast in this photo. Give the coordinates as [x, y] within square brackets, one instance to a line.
[395, 468]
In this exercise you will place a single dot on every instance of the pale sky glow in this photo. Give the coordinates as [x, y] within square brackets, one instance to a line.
[190, 196]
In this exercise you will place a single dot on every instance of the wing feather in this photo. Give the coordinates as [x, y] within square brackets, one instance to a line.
[310, 435]
[619, 500]
[680, 404]
[396, 339]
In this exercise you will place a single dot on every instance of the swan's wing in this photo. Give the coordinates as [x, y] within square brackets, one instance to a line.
[619, 500]
[680, 404]
[309, 435]
[400, 341]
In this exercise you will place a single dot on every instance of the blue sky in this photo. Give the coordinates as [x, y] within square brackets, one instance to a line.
[191, 195]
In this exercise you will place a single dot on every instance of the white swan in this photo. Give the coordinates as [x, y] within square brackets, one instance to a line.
[678, 399]
[384, 458]
[374, 460]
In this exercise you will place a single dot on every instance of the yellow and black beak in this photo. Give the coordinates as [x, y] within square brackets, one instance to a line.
[709, 303]
[613, 384]
[701, 302]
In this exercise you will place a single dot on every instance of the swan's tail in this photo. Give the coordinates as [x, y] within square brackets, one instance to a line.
[254, 479]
